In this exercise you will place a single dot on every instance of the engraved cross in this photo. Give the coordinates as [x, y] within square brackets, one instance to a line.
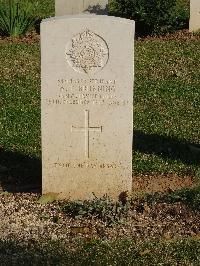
[87, 129]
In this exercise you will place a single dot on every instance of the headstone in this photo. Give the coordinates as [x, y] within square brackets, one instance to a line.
[87, 105]
[73, 7]
[194, 15]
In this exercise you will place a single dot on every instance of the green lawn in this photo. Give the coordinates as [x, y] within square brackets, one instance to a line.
[166, 105]
[166, 110]
[122, 253]
[45, 8]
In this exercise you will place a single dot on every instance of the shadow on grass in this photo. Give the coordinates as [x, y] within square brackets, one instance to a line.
[19, 172]
[166, 147]
[22, 173]
[14, 253]
[188, 196]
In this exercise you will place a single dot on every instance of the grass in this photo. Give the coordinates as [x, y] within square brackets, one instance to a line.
[166, 105]
[20, 98]
[189, 196]
[166, 112]
[46, 8]
[20, 112]
[17, 17]
[126, 252]
[166, 132]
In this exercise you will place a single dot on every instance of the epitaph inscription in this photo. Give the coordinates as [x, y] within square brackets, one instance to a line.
[87, 52]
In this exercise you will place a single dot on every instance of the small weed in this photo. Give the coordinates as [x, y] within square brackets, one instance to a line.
[45, 216]
[101, 208]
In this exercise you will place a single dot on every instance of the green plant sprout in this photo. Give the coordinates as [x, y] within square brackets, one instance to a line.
[16, 18]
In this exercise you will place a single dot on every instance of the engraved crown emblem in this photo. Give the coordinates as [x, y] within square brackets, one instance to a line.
[87, 52]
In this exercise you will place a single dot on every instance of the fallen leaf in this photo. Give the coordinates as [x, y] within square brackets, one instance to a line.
[147, 251]
[47, 198]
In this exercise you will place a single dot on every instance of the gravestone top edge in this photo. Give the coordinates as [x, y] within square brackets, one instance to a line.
[93, 17]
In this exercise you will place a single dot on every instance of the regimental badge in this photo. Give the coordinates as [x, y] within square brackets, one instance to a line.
[87, 52]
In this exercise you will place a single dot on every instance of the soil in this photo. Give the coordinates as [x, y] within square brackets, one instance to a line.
[182, 35]
[25, 220]
[161, 183]
[34, 37]
[31, 37]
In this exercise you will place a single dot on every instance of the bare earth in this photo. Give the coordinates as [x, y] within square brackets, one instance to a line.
[27, 221]
[161, 183]
[34, 37]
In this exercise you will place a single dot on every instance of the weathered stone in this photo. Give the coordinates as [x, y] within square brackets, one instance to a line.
[194, 15]
[87, 105]
[73, 7]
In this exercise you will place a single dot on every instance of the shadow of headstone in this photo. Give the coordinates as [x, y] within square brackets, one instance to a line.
[19, 172]
[167, 147]
[97, 10]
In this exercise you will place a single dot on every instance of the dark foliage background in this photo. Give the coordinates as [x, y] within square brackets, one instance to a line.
[153, 16]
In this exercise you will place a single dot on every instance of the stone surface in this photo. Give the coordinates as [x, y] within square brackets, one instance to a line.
[87, 105]
[73, 7]
[194, 15]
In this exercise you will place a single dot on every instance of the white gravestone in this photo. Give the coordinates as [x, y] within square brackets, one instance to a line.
[194, 15]
[87, 106]
[73, 7]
